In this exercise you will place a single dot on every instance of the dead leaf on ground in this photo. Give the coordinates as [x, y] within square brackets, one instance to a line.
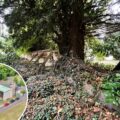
[96, 109]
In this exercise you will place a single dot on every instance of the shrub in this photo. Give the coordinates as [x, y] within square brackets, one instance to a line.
[6, 72]
[9, 56]
[19, 81]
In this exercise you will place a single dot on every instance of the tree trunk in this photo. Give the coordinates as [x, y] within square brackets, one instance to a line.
[77, 38]
[72, 29]
[77, 32]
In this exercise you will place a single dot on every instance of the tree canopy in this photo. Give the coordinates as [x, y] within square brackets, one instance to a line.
[34, 23]
[5, 72]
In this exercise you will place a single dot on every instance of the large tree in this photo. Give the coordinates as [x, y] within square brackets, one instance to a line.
[67, 22]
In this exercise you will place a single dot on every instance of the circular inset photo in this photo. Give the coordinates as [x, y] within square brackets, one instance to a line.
[13, 94]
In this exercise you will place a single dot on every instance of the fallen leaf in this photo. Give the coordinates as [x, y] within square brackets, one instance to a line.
[59, 109]
[88, 88]
[96, 109]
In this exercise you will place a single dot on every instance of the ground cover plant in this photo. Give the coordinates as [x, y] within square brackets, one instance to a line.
[69, 91]
[111, 85]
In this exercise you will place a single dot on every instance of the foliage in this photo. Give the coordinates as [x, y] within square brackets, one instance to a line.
[100, 55]
[3, 76]
[52, 112]
[111, 86]
[46, 89]
[18, 80]
[34, 23]
[6, 72]
[49, 111]
[8, 54]
[95, 44]
[96, 48]
[112, 45]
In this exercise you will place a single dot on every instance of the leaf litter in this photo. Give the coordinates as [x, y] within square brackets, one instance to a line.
[70, 90]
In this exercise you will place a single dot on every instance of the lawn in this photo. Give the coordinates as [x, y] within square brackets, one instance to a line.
[1, 102]
[13, 113]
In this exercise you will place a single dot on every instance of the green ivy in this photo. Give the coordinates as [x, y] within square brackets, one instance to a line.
[111, 87]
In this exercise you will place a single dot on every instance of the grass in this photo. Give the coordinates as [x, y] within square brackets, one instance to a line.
[13, 113]
[106, 62]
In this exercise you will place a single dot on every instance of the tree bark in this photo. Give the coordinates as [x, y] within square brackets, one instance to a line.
[72, 29]
[77, 31]
[77, 38]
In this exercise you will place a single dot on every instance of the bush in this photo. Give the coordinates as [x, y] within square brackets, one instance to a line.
[6, 72]
[8, 54]
[18, 80]
[9, 58]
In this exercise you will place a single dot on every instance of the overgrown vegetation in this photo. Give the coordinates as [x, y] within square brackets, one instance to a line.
[71, 91]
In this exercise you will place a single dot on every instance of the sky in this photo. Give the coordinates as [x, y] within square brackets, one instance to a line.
[115, 8]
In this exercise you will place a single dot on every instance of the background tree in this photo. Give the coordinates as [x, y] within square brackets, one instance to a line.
[6, 72]
[18, 80]
[110, 45]
[8, 53]
[66, 22]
